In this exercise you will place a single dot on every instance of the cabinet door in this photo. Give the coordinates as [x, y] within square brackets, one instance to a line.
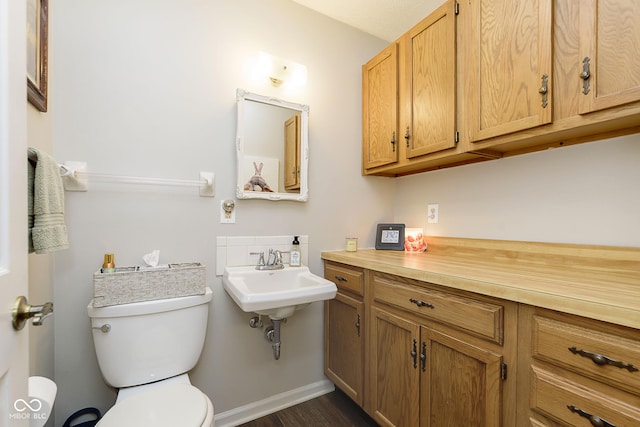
[432, 83]
[508, 57]
[344, 345]
[462, 385]
[292, 153]
[610, 51]
[380, 109]
[394, 372]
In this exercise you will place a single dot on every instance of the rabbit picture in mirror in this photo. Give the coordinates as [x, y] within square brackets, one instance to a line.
[257, 182]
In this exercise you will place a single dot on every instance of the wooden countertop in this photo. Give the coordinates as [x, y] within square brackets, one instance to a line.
[600, 282]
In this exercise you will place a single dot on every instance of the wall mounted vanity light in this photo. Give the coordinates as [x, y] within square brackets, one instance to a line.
[280, 71]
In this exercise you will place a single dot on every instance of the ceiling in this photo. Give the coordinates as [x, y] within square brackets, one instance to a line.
[385, 19]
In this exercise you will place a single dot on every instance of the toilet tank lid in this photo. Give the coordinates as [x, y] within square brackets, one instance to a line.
[147, 307]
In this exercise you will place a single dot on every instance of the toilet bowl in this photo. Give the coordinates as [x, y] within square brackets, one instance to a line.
[163, 404]
[145, 350]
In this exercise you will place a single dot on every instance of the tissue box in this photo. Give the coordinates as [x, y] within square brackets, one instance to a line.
[131, 284]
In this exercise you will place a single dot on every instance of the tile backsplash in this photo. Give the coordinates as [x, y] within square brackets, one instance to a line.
[235, 251]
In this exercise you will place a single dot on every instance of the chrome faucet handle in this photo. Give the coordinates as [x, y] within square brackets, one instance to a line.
[278, 258]
[261, 259]
[272, 253]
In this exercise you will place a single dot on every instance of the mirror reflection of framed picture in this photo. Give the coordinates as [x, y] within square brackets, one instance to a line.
[390, 237]
[37, 47]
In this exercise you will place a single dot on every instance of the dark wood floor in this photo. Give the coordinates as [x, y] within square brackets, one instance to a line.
[334, 409]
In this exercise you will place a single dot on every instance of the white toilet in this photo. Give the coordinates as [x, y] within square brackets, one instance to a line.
[145, 350]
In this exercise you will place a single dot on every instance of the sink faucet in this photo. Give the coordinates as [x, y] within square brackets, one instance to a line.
[274, 260]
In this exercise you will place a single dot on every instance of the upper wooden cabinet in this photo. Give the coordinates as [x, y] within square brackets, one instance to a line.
[380, 109]
[425, 133]
[610, 53]
[592, 88]
[485, 79]
[428, 84]
[507, 66]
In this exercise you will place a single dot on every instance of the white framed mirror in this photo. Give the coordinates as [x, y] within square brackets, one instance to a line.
[272, 148]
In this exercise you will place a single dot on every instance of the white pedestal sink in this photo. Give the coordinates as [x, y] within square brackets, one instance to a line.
[275, 293]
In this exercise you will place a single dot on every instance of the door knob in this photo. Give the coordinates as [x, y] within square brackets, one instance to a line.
[23, 311]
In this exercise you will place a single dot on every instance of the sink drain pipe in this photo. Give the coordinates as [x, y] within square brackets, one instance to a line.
[272, 334]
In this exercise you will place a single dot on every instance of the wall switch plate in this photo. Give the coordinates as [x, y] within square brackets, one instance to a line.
[432, 213]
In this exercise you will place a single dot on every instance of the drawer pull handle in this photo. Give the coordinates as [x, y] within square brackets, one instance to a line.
[601, 360]
[341, 279]
[420, 303]
[595, 420]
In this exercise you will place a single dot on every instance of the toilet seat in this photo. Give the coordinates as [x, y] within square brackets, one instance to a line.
[169, 406]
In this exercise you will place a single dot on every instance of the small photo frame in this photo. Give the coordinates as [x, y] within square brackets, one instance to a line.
[390, 237]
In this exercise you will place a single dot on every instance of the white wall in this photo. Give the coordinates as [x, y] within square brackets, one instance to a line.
[147, 88]
[586, 194]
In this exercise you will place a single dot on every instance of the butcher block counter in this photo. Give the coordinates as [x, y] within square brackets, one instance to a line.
[598, 282]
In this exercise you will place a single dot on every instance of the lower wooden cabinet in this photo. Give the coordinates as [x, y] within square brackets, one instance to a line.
[415, 354]
[426, 373]
[463, 376]
[394, 373]
[423, 377]
[577, 372]
[344, 331]
[344, 345]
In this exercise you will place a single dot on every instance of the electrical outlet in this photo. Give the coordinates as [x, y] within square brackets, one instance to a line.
[432, 213]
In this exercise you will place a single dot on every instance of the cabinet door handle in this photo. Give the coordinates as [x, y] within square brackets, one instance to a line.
[585, 74]
[407, 136]
[414, 353]
[423, 356]
[595, 420]
[544, 90]
[602, 360]
[420, 303]
[393, 141]
[341, 279]
[358, 325]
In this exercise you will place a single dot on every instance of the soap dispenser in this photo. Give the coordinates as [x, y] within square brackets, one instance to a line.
[296, 256]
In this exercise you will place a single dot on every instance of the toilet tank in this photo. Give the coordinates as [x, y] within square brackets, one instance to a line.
[148, 341]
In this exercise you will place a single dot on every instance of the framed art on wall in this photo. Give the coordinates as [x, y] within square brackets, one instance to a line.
[390, 237]
[37, 52]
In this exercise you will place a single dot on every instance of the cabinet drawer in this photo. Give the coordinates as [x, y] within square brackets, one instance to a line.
[345, 278]
[476, 317]
[600, 355]
[575, 405]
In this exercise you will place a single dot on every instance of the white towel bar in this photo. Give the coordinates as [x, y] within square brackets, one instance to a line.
[75, 178]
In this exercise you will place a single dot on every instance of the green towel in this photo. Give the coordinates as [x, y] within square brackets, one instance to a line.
[47, 230]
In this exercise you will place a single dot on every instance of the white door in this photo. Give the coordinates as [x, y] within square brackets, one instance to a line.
[14, 349]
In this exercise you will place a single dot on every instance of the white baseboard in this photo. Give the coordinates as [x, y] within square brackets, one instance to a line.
[255, 410]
